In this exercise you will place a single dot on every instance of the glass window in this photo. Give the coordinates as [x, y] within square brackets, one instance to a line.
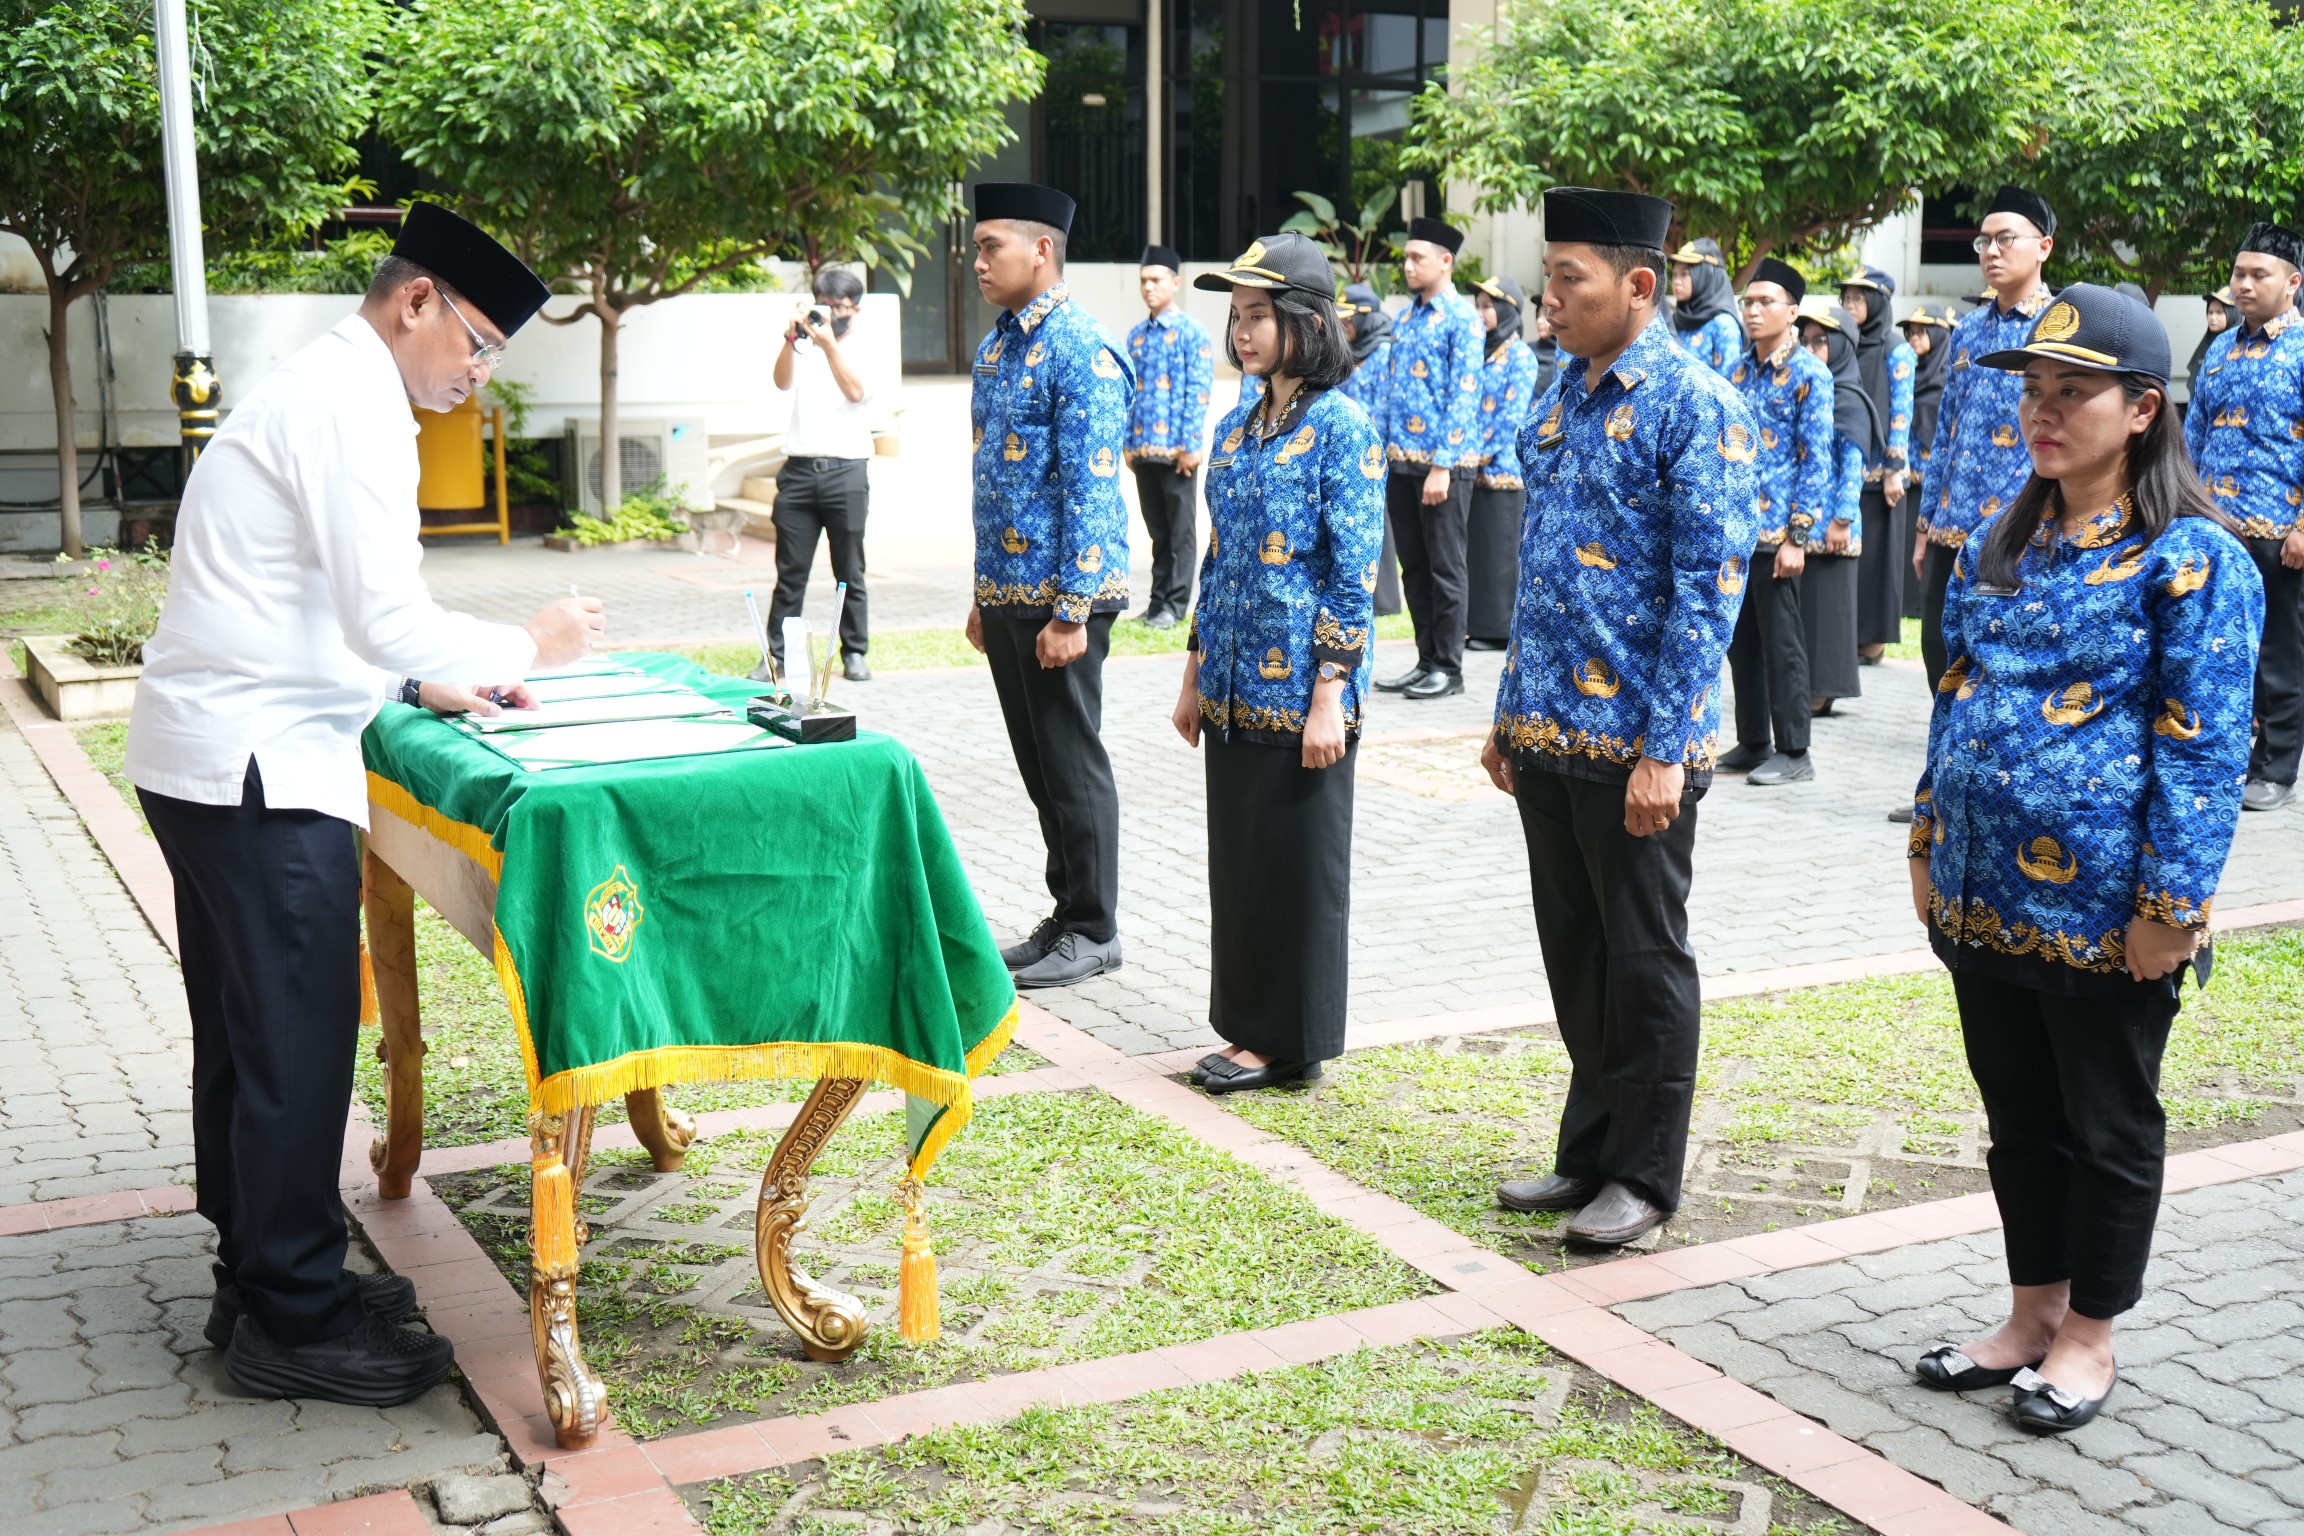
[1091, 133]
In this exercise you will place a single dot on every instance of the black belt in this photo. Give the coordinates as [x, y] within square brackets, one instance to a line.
[821, 466]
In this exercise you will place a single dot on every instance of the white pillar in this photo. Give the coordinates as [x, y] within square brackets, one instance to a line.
[195, 386]
[1155, 121]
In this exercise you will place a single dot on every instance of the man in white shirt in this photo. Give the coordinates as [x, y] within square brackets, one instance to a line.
[825, 486]
[294, 604]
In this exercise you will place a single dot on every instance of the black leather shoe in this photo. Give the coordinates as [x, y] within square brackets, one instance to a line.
[1741, 759]
[2264, 795]
[1783, 768]
[374, 1366]
[1401, 684]
[386, 1298]
[1945, 1369]
[854, 668]
[1549, 1193]
[1072, 958]
[1902, 815]
[2043, 1408]
[1614, 1217]
[1205, 1065]
[1434, 685]
[1161, 620]
[1239, 1079]
[1476, 643]
[1029, 949]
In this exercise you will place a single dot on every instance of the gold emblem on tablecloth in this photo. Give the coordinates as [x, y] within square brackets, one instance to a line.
[612, 914]
[2075, 705]
[2046, 859]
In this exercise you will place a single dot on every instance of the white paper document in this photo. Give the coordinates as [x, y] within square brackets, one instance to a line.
[627, 741]
[670, 705]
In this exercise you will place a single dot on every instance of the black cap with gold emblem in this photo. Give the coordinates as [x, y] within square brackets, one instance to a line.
[2091, 326]
[1288, 261]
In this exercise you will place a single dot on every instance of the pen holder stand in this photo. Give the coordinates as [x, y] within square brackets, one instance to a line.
[806, 727]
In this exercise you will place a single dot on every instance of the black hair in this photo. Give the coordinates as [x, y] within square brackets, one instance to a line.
[395, 272]
[1313, 347]
[838, 283]
[1033, 229]
[1624, 260]
[2163, 486]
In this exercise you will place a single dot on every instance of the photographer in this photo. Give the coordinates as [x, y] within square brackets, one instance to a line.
[825, 484]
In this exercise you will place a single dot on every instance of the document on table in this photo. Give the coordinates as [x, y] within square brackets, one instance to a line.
[598, 685]
[626, 741]
[669, 705]
[590, 666]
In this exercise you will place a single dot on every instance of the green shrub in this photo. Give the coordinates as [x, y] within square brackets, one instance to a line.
[116, 612]
[648, 513]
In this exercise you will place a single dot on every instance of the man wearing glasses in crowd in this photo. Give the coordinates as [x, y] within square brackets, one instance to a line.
[825, 487]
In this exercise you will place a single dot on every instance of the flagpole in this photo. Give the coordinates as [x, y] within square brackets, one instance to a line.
[194, 387]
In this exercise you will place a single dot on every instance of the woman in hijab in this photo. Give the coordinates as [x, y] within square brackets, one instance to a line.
[1928, 332]
[1492, 539]
[1836, 542]
[1547, 354]
[1704, 312]
[1886, 366]
[2220, 309]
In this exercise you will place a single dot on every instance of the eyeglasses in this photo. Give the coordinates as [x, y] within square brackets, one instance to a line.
[1754, 301]
[486, 353]
[2005, 240]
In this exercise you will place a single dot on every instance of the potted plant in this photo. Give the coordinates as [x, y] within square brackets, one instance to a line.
[115, 601]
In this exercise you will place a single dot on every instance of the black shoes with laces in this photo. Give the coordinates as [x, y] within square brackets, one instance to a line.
[374, 1366]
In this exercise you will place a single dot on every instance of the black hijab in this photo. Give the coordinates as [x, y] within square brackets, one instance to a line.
[1508, 299]
[1877, 335]
[2223, 300]
[1710, 294]
[1928, 385]
[1854, 416]
[1547, 363]
[1370, 324]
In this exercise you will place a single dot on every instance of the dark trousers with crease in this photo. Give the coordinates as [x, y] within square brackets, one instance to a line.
[1935, 581]
[1055, 720]
[1768, 658]
[1432, 563]
[2279, 669]
[268, 917]
[1169, 500]
[1612, 920]
[2071, 1088]
[827, 497]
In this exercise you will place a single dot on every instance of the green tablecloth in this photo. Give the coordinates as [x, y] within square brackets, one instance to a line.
[788, 913]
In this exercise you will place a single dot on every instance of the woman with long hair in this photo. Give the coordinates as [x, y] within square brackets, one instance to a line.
[2082, 784]
[1492, 538]
[1829, 599]
[1275, 680]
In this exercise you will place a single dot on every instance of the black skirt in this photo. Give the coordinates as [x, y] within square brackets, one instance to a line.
[1828, 617]
[1907, 531]
[1279, 898]
[1492, 558]
[1880, 584]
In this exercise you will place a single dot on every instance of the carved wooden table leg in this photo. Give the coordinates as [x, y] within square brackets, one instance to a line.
[391, 907]
[663, 1130]
[831, 1324]
[575, 1399]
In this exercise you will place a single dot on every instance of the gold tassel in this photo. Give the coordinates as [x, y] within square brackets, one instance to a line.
[918, 1319]
[371, 1014]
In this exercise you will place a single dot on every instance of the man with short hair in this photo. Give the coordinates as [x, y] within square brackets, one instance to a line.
[294, 608]
[1977, 461]
[1638, 462]
[1051, 413]
[2245, 429]
[824, 489]
[1175, 366]
[1431, 428]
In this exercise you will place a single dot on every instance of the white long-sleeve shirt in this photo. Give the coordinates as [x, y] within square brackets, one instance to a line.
[294, 597]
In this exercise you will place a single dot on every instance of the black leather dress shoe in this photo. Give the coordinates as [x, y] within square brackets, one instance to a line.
[1615, 1216]
[1435, 685]
[1236, 1078]
[1475, 643]
[1073, 957]
[1902, 815]
[1033, 946]
[2043, 1408]
[1945, 1369]
[1549, 1193]
[1400, 684]
[854, 668]
[1741, 758]
[1205, 1065]
[386, 1298]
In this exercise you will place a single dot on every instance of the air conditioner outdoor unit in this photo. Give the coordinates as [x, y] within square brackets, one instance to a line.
[672, 451]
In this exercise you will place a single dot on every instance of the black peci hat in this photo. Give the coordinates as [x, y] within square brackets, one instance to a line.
[2091, 326]
[1025, 200]
[1769, 270]
[1160, 256]
[2030, 205]
[1587, 216]
[1445, 235]
[1287, 261]
[471, 261]
[2273, 240]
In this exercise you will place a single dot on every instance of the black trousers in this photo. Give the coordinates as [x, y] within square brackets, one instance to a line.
[1935, 578]
[1493, 562]
[1907, 530]
[268, 915]
[1880, 592]
[1055, 722]
[2071, 1088]
[1168, 500]
[1388, 600]
[828, 497]
[1768, 658]
[2279, 669]
[1432, 574]
[1612, 919]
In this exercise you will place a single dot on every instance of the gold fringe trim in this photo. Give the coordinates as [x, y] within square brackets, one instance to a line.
[516, 998]
[994, 1043]
[371, 1013]
[462, 836]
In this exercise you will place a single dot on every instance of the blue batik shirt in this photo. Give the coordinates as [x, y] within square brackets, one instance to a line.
[2088, 748]
[1175, 365]
[1717, 343]
[1295, 525]
[1432, 415]
[1507, 389]
[1903, 367]
[1633, 562]
[1844, 501]
[1051, 411]
[1789, 394]
[2246, 425]
[1370, 383]
[1978, 462]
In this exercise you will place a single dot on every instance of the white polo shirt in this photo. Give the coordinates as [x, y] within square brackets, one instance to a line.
[826, 424]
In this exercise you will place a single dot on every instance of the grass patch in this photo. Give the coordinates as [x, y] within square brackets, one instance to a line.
[1907, 647]
[106, 743]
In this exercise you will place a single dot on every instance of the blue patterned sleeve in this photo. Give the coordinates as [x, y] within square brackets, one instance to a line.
[1940, 715]
[1519, 390]
[1352, 523]
[1199, 384]
[1090, 419]
[2196, 421]
[1903, 365]
[1814, 459]
[1847, 496]
[1459, 426]
[1710, 500]
[2208, 612]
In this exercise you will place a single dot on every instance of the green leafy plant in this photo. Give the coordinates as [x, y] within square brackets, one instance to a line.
[648, 513]
[1355, 248]
[337, 266]
[119, 607]
[528, 476]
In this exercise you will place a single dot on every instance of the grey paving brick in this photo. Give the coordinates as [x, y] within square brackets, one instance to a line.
[1970, 1475]
[108, 1411]
[137, 1474]
[2053, 1512]
[81, 1519]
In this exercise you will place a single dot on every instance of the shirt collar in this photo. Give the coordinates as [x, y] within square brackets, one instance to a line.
[371, 356]
[2271, 329]
[2100, 530]
[1029, 318]
[2027, 307]
[1783, 353]
[1165, 319]
[1632, 365]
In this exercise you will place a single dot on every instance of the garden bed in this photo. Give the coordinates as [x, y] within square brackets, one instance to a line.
[73, 688]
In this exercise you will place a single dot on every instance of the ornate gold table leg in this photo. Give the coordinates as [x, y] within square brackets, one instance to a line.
[831, 1324]
[575, 1399]
[391, 908]
[663, 1130]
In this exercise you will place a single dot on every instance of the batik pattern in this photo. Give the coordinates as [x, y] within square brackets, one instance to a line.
[1175, 365]
[1789, 394]
[1507, 383]
[1432, 413]
[1978, 463]
[2246, 425]
[1717, 343]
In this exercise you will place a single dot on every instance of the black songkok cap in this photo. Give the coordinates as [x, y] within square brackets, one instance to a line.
[1770, 270]
[2091, 326]
[2030, 205]
[1585, 216]
[470, 260]
[1025, 200]
[1445, 235]
[2272, 240]
[1287, 261]
[1160, 256]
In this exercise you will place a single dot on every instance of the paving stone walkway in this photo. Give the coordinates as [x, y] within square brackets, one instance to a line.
[2204, 1434]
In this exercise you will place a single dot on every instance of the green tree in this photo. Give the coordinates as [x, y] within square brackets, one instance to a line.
[281, 89]
[1772, 126]
[631, 149]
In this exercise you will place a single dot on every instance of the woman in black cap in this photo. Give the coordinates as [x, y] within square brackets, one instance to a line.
[1507, 390]
[1704, 313]
[1927, 331]
[1276, 679]
[1828, 595]
[1886, 365]
[2102, 634]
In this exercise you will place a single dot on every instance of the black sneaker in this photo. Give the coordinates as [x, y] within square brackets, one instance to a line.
[1741, 758]
[374, 1366]
[1033, 946]
[387, 1298]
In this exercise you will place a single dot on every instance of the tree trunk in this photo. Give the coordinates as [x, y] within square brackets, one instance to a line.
[67, 438]
[611, 446]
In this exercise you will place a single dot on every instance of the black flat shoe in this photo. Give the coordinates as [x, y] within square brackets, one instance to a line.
[1945, 1369]
[2043, 1408]
[1277, 1074]
[1741, 758]
[1434, 685]
[1206, 1065]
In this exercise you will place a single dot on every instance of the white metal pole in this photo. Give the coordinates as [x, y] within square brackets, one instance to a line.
[195, 386]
